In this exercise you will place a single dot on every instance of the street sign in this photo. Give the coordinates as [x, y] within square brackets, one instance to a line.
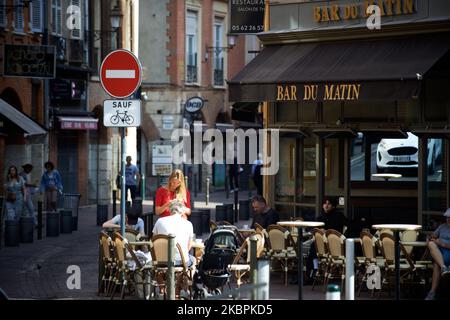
[194, 104]
[122, 113]
[30, 61]
[120, 73]
[246, 17]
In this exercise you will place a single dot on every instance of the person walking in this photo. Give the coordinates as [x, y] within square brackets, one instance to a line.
[50, 185]
[31, 190]
[256, 175]
[132, 178]
[15, 193]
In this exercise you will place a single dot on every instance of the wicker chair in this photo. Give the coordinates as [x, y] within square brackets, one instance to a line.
[320, 241]
[369, 245]
[281, 248]
[336, 261]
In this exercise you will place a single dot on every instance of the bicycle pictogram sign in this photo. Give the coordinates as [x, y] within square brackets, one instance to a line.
[122, 113]
[123, 117]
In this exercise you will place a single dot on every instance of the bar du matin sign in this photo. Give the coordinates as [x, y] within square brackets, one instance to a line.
[353, 11]
[319, 92]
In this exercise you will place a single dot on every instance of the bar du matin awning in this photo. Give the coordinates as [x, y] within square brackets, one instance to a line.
[375, 69]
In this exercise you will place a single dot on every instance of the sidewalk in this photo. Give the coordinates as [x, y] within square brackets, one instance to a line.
[39, 270]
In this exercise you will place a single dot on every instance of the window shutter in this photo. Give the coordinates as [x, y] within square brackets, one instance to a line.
[58, 17]
[36, 16]
[76, 33]
[18, 15]
[2, 13]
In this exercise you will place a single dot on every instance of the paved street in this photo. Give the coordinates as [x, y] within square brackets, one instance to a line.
[39, 270]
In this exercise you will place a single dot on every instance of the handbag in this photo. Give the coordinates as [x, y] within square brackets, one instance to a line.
[11, 197]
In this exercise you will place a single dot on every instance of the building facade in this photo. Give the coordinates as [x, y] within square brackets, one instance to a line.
[185, 53]
[354, 101]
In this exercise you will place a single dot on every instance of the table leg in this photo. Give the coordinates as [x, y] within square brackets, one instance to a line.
[300, 262]
[397, 264]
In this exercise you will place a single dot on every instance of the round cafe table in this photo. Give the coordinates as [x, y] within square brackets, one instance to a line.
[300, 225]
[396, 228]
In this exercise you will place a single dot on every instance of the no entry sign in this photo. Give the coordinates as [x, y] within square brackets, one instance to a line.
[120, 73]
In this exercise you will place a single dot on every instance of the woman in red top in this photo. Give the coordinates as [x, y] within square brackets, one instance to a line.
[175, 189]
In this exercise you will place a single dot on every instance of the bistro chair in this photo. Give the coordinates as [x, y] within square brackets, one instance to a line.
[281, 248]
[320, 241]
[241, 263]
[108, 263]
[125, 272]
[408, 269]
[159, 252]
[336, 261]
[369, 245]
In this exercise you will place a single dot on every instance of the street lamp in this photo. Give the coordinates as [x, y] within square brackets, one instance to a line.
[115, 16]
[231, 40]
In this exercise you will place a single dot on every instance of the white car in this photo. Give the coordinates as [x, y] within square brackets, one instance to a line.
[403, 153]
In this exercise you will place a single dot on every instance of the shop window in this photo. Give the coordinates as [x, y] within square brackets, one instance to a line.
[285, 178]
[408, 111]
[357, 158]
[370, 111]
[435, 189]
[436, 100]
[395, 156]
[286, 112]
[331, 112]
[308, 112]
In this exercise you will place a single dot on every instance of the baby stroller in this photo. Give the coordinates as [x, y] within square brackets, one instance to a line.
[220, 250]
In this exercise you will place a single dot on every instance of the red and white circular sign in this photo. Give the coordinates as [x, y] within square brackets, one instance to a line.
[120, 73]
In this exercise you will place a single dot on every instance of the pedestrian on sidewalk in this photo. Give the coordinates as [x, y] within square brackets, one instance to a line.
[51, 185]
[31, 190]
[256, 175]
[174, 192]
[15, 193]
[132, 178]
[234, 170]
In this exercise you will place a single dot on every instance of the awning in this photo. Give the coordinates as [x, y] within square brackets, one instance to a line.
[21, 120]
[376, 69]
[78, 123]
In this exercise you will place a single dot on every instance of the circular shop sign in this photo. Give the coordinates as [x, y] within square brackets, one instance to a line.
[194, 104]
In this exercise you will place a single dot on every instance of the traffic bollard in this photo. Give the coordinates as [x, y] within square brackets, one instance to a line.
[333, 292]
[207, 191]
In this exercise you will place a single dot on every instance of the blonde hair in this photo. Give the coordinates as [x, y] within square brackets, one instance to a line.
[180, 191]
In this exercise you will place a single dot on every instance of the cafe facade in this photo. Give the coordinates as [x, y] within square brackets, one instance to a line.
[363, 109]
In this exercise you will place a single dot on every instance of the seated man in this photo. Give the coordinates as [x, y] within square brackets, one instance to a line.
[182, 229]
[439, 246]
[263, 214]
[132, 221]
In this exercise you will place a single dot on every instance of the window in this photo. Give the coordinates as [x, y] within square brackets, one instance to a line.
[18, 16]
[218, 53]
[36, 16]
[3, 19]
[56, 17]
[191, 47]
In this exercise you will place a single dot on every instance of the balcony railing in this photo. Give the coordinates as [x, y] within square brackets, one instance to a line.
[191, 74]
[218, 77]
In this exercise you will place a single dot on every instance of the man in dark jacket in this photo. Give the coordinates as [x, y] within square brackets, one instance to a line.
[263, 214]
[333, 218]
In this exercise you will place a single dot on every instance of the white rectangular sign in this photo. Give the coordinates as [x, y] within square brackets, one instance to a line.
[122, 113]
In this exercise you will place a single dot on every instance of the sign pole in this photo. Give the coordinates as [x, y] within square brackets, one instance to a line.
[123, 198]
